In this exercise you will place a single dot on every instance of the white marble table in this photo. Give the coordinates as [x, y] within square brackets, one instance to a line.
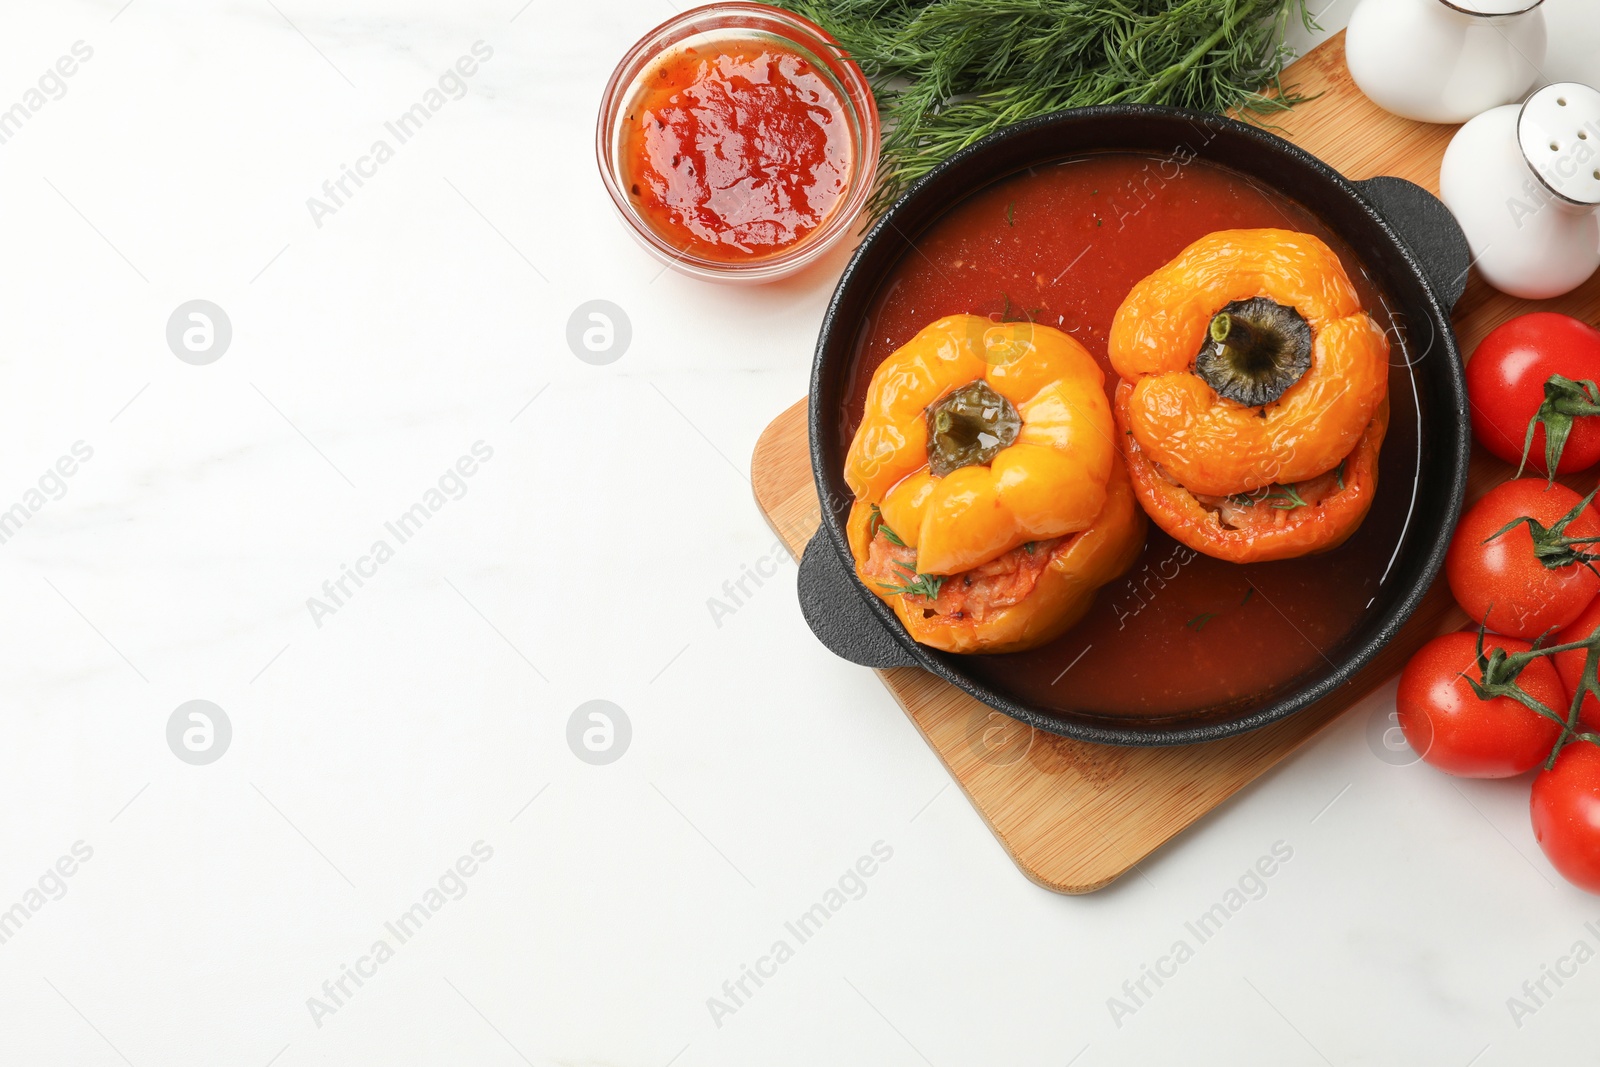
[398, 769]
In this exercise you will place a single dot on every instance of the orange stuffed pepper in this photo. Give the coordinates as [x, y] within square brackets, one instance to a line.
[1254, 396]
[990, 501]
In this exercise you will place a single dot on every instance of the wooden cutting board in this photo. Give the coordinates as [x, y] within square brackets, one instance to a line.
[1077, 816]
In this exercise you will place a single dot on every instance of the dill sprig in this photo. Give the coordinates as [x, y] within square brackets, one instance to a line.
[911, 583]
[1286, 499]
[876, 526]
[1283, 497]
[948, 72]
[914, 584]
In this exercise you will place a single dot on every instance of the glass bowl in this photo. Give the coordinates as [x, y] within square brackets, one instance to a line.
[742, 20]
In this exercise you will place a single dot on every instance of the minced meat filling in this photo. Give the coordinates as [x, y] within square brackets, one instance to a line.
[1271, 506]
[975, 594]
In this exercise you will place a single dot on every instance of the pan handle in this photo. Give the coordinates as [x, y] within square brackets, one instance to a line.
[1428, 229]
[834, 609]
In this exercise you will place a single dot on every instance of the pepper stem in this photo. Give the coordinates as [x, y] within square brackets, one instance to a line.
[1254, 351]
[969, 426]
[1233, 331]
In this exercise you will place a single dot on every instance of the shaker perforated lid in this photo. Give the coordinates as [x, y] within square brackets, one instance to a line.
[1559, 130]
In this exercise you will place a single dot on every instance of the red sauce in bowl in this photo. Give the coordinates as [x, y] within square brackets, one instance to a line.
[737, 149]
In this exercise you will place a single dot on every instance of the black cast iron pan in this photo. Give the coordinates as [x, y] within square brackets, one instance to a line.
[1405, 238]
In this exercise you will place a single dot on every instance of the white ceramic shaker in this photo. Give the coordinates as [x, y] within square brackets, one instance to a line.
[1524, 183]
[1445, 60]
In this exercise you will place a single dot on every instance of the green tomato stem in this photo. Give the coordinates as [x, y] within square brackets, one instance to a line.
[1564, 401]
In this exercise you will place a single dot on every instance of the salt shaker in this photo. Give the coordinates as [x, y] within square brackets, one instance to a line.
[1445, 60]
[1524, 183]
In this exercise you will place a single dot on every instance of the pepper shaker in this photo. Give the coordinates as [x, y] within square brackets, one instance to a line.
[1445, 60]
[1524, 183]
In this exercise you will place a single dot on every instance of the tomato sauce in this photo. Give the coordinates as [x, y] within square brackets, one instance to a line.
[1063, 245]
[736, 150]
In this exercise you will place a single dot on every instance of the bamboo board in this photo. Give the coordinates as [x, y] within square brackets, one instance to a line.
[1077, 816]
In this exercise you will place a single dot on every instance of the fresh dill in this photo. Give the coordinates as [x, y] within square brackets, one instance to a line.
[1283, 497]
[948, 72]
[912, 583]
[877, 525]
[915, 584]
[1287, 499]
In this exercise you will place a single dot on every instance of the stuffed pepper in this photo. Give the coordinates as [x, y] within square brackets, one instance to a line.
[1254, 396]
[990, 500]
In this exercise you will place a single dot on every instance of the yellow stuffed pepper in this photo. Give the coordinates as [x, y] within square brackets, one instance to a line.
[1254, 397]
[990, 501]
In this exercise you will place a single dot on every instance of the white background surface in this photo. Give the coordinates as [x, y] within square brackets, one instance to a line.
[371, 752]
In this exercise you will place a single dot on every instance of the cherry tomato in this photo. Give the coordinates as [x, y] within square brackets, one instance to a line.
[1569, 665]
[1500, 578]
[1566, 814]
[1505, 385]
[1458, 733]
